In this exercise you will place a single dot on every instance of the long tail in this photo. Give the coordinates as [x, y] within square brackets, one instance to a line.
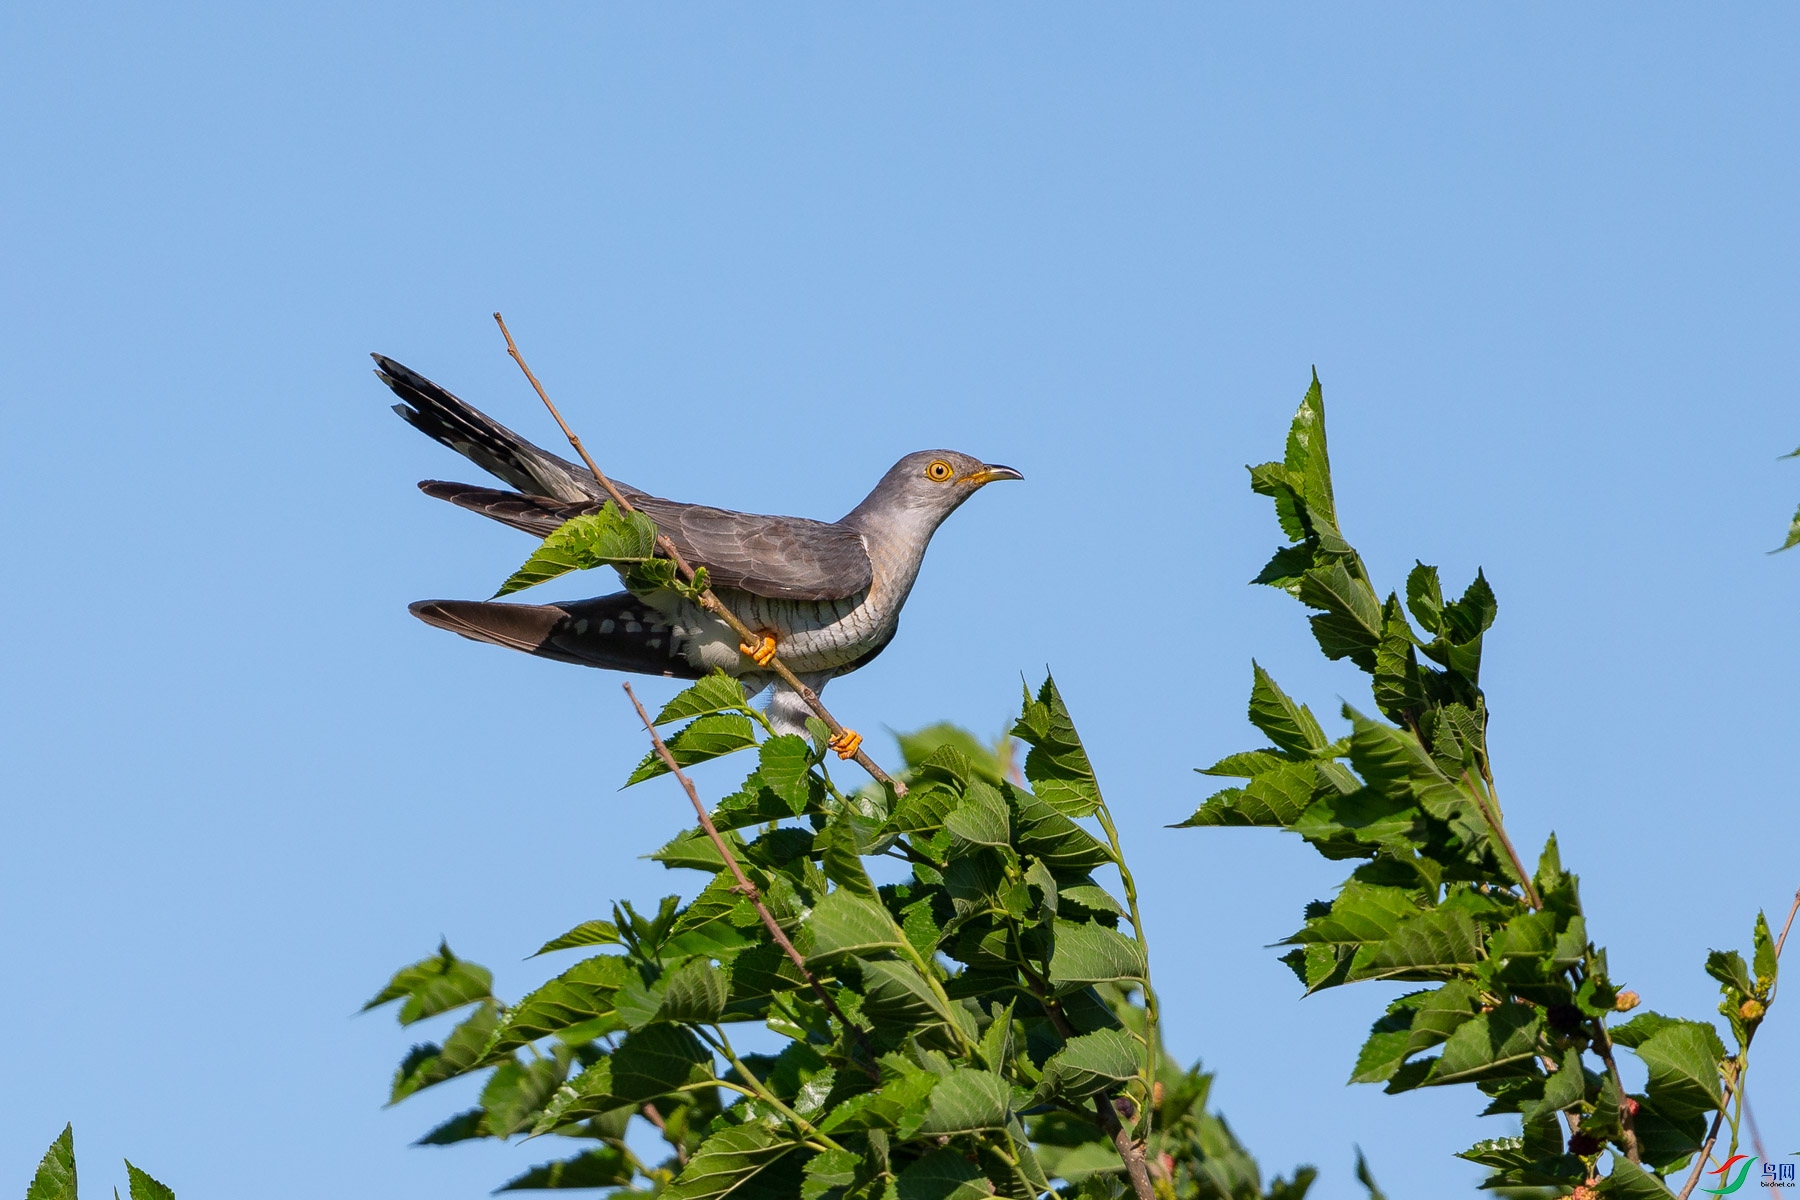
[617, 632]
[484, 441]
[536, 515]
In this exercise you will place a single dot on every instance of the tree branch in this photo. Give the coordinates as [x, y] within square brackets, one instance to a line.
[748, 889]
[709, 599]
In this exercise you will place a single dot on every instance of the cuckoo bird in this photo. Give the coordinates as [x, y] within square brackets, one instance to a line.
[825, 595]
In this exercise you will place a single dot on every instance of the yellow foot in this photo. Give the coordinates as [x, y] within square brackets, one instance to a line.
[761, 652]
[846, 743]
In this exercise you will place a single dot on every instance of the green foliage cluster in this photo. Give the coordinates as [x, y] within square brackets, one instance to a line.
[990, 1027]
[1793, 533]
[1518, 1001]
[55, 1178]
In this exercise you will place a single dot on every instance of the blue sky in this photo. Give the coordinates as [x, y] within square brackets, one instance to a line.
[1542, 258]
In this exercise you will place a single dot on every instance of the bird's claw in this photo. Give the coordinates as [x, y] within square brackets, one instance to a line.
[760, 653]
[846, 743]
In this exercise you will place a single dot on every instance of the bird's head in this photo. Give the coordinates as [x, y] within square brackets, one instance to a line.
[927, 486]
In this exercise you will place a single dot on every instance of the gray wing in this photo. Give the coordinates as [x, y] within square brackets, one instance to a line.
[782, 558]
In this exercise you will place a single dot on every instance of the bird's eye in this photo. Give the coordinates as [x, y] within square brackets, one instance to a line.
[939, 471]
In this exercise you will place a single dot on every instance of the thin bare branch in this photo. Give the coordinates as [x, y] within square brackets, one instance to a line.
[750, 890]
[1787, 925]
[709, 600]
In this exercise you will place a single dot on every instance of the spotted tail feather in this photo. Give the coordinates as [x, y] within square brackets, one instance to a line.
[617, 632]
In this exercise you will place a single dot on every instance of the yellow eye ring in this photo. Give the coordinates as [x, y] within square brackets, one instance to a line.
[939, 471]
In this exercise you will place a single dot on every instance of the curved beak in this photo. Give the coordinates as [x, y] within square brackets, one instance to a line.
[991, 472]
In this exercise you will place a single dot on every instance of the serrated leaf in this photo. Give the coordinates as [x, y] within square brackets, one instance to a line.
[900, 1105]
[1425, 597]
[588, 933]
[464, 1050]
[919, 745]
[1628, 1181]
[1087, 953]
[1684, 1068]
[1729, 968]
[655, 1060]
[829, 1170]
[55, 1178]
[1093, 897]
[463, 1127]
[840, 861]
[604, 1167]
[1092, 1063]
[1431, 945]
[516, 1093]
[967, 1101]
[1361, 914]
[943, 1175]
[1413, 1023]
[1351, 622]
[694, 993]
[1502, 1042]
[143, 1187]
[845, 924]
[714, 693]
[604, 538]
[435, 985]
[1291, 726]
[727, 1161]
[1058, 766]
[786, 768]
[579, 996]
[1518, 1163]
[1764, 955]
[981, 817]
[705, 738]
[1039, 831]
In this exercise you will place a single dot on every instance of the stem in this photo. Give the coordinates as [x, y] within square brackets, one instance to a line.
[746, 888]
[1603, 1046]
[1484, 796]
[709, 599]
[1104, 1113]
[805, 1128]
[1150, 1005]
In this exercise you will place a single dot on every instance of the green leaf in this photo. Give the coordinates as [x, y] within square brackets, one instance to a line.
[981, 818]
[1628, 1181]
[900, 1106]
[143, 1187]
[841, 863]
[1092, 897]
[604, 538]
[943, 1175]
[1425, 597]
[588, 933]
[727, 1161]
[435, 985]
[1565, 1089]
[655, 1060]
[827, 1171]
[1641, 1028]
[1518, 1162]
[1361, 914]
[1471, 615]
[604, 1167]
[516, 1093]
[786, 769]
[715, 693]
[463, 1127]
[1502, 1042]
[1399, 689]
[1431, 945]
[1092, 1063]
[463, 1051]
[55, 1178]
[1793, 533]
[1413, 1023]
[1729, 968]
[897, 998]
[1364, 1177]
[1305, 457]
[1274, 798]
[1039, 831]
[1289, 725]
[694, 993]
[966, 1101]
[579, 996]
[1351, 622]
[706, 738]
[1766, 962]
[918, 746]
[1087, 954]
[1683, 1058]
[1058, 766]
[845, 924]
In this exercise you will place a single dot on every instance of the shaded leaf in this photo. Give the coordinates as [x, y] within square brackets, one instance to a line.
[655, 1060]
[604, 1167]
[579, 996]
[1092, 1063]
[844, 923]
[435, 985]
[1290, 725]
[588, 933]
[705, 738]
[966, 1101]
[142, 1187]
[943, 1175]
[604, 538]
[55, 1178]
[727, 1161]
[714, 693]
[1087, 953]
[1683, 1059]
[1057, 766]
[463, 1051]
